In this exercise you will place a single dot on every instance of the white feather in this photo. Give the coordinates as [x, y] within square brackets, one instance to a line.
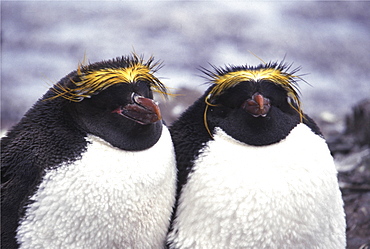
[110, 198]
[284, 195]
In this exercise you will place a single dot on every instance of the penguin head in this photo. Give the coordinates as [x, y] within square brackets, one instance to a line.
[114, 101]
[255, 105]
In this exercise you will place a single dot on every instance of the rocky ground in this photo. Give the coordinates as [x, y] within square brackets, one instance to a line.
[351, 150]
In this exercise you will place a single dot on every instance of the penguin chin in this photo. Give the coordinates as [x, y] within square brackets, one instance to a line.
[256, 131]
[139, 137]
[259, 115]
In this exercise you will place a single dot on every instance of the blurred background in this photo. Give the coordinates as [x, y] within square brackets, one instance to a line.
[42, 41]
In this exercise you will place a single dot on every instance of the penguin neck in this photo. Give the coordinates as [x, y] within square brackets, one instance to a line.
[273, 184]
[135, 189]
[51, 129]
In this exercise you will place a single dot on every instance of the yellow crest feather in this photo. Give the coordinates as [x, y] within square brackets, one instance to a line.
[92, 79]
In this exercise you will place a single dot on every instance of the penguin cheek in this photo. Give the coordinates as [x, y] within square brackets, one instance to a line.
[219, 112]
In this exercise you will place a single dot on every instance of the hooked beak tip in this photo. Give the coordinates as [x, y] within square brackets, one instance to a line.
[257, 105]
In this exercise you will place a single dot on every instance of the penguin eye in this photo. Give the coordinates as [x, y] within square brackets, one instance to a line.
[234, 96]
[291, 101]
[143, 88]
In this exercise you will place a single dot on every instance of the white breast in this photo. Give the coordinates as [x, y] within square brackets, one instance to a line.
[110, 198]
[284, 195]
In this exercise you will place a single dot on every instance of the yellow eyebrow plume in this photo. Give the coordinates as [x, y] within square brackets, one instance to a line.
[90, 81]
[225, 81]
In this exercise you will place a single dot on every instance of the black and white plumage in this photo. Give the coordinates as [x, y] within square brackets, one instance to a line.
[253, 170]
[91, 164]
